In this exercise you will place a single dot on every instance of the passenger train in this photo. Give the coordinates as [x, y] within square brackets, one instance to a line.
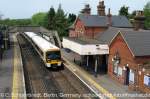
[49, 53]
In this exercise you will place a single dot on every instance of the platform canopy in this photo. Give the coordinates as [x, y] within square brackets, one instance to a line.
[84, 47]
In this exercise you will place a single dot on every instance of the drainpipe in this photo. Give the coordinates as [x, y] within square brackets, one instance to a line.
[137, 78]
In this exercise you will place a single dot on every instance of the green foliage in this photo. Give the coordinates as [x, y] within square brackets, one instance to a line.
[3, 27]
[58, 20]
[15, 22]
[50, 19]
[147, 15]
[124, 11]
[61, 22]
[132, 15]
[71, 18]
[38, 18]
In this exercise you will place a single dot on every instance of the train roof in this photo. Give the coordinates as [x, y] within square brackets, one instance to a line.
[30, 34]
[43, 44]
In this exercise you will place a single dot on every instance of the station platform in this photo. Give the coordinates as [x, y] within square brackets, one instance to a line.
[12, 82]
[102, 85]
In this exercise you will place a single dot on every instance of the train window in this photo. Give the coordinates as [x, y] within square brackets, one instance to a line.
[53, 55]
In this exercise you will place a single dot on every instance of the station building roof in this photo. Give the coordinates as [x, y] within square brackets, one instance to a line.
[84, 40]
[102, 21]
[137, 41]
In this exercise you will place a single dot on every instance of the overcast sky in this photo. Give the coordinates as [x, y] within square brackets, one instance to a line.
[26, 8]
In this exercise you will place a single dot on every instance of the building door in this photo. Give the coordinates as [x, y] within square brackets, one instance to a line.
[104, 63]
[91, 62]
[127, 76]
[103, 67]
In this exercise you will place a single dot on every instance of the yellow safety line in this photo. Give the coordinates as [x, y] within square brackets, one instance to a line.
[15, 77]
[98, 86]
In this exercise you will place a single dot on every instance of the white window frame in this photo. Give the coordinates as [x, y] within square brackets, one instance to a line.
[131, 76]
[117, 70]
[146, 80]
[115, 67]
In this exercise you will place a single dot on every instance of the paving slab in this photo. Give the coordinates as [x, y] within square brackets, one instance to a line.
[6, 74]
[11, 73]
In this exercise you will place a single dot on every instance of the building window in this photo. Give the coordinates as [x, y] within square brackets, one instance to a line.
[147, 80]
[119, 71]
[131, 76]
[116, 69]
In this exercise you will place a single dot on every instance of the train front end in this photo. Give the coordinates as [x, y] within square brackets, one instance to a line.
[53, 58]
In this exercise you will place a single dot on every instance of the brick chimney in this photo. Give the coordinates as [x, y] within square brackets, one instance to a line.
[139, 20]
[109, 16]
[86, 10]
[101, 8]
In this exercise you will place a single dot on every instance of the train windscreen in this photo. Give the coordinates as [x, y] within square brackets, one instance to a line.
[53, 55]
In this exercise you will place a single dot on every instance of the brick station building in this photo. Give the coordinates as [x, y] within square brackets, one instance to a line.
[87, 25]
[129, 57]
[86, 29]
[111, 43]
[129, 54]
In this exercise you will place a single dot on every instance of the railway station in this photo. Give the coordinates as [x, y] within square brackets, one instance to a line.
[99, 56]
[25, 81]
[28, 75]
[24, 60]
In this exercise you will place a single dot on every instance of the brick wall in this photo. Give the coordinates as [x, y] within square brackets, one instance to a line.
[127, 57]
[142, 86]
[81, 30]
[91, 32]
[72, 33]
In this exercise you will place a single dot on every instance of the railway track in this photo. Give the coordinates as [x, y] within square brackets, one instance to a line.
[44, 83]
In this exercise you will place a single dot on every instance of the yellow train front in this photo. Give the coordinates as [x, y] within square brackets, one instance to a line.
[53, 58]
[48, 52]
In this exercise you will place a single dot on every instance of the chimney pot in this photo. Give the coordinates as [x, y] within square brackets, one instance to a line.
[109, 17]
[101, 8]
[139, 20]
[86, 10]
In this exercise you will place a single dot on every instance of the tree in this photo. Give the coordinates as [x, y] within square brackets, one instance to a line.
[124, 11]
[61, 22]
[147, 15]
[71, 18]
[15, 22]
[50, 19]
[57, 21]
[38, 18]
[132, 15]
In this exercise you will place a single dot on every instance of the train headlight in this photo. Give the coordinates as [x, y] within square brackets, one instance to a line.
[48, 65]
[59, 64]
